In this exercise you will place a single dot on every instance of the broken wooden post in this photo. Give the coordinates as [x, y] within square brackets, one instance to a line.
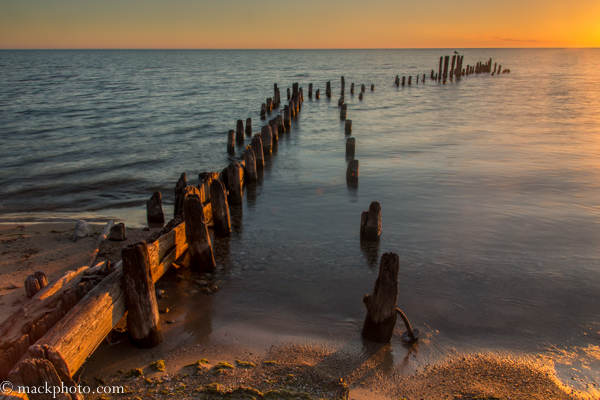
[352, 88]
[318, 94]
[263, 111]
[179, 193]
[267, 139]
[370, 222]
[143, 323]
[310, 87]
[32, 286]
[239, 131]
[344, 112]
[348, 126]
[362, 88]
[249, 126]
[257, 149]
[249, 165]
[403, 81]
[352, 171]
[350, 147]
[360, 96]
[220, 207]
[440, 69]
[234, 183]
[196, 233]
[231, 141]
[372, 87]
[117, 232]
[328, 89]
[154, 211]
[381, 305]
[343, 89]
[410, 80]
[287, 116]
[280, 124]
[341, 101]
[452, 67]
[446, 59]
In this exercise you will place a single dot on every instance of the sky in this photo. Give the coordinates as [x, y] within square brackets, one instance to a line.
[301, 24]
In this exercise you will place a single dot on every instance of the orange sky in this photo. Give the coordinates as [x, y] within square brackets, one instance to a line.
[202, 24]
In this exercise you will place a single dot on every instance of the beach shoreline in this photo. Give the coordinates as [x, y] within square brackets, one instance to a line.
[317, 369]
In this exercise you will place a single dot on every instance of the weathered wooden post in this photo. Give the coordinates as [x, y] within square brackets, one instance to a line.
[446, 60]
[292, 106]
[370, 222]
[239, 131]
[249, 165]
[352, 171]
[452, 67]
[32, 286]
[350, 147]
[257, 149]
[318, 94]
[344, 112]
[440, 69]
[289, 96]
[403, 81]
[410, 80]
[301, 93]
[381, 305]
[249, 126]
[362, 88]
[196, 233]
[154, 211]
[234, 183]
[179, 194]
[341, 101]
[328, 89]
[352, 88]
[280, 124]
[397, 81]
[117, 232]
[372, 87]
[220, 207]
[274, 129]
[263, 111]
[310, 87]
[287, 119]
[143, 323]
[500, 68]
[343, 91]
[360, 96]
[431, 75]
[269, 104]
[348, 126]
[231, 141]
[267, 139]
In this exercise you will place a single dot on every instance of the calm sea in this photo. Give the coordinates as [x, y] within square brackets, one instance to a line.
[489, 186]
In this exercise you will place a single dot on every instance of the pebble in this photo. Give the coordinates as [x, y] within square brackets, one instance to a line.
[201, 282]
[163, 310]
[170, 321]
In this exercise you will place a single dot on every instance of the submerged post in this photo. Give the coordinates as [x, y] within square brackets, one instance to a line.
[381, 305]
[370, 223]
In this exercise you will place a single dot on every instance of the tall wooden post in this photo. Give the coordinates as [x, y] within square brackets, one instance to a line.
[179, 193]
[267, 139]
[343, 90]
[196, 233]
[249, 165]
[257, 148]
[287, 112]
[350, 147]
[249, 126]
[403, 81]
[220, 208]
[452, 67]
[231, 141]
[143, 323]
[381, 305]
[352, 171]
[440, 69]
[280, 124]
[239, 131]
[234, 183]
[310, 87]
[328, 89]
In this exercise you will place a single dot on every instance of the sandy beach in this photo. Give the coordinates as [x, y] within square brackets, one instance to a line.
[282, 370]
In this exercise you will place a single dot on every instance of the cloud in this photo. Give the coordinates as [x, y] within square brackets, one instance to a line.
[519, 40]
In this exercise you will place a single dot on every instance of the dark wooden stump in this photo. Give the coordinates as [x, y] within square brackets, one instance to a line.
[143, 323]
[267, 139]
[287, 116]
[348, 126]
[32, 286]
[269, 104]
[263, 111]
[239, 131]
[328, 89]
[231, 141]
[257, 148]
[410, 80]
[381, 305]
[289, 96]
[179, 193]
[196, 233]
[249, 165]
[39, 373]
[350, 147]
[154, 211]
[220, 207]
[370, 222]
[343, 88]
[352, 171]
[352, 88]
[372, 87]
[362, 88]
[403, 81]
[310, 90]
[318, 94]
[360, 96]
[117, 232]
[292, 108]
[249, 126]
[234, 183]
[280, 124]
[344, 112]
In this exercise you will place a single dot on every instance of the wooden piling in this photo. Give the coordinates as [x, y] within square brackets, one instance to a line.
[362, 88]
[239, 131]
[370, 222]
[410, 80]
[274, 129]
[287, 119]
[446, 60]
[352, 171]
[341, 101]
[381, 305]
[249, 165]
[310, 90]
[257, 149]
[328, 89]
[234, 183]
[154, 211]
[267, 139]
[249, 126]
[452, 67]
[196, 233]
[179, 194]
[280, 124]
[318, 94]
[440, 69]
[348, 126]
[423, 78]
[292, 108]
[289, 96]
[397, 81]
[360, 96]
[343, 86]
[403, 81]
[352, 88]
[372, 87]
[344, 112]
[263, 111]
[269, 104]
[231, 141]
[143, 323]
[220, 206]
[350, 147]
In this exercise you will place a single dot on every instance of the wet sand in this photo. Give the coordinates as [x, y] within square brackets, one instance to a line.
[282, 364]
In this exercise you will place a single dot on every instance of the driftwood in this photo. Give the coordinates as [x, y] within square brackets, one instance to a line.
[220, 207]
[381, 305]
[143, 323]
[196, 233]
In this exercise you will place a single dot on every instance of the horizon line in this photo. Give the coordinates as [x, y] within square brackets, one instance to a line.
[307, 48]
